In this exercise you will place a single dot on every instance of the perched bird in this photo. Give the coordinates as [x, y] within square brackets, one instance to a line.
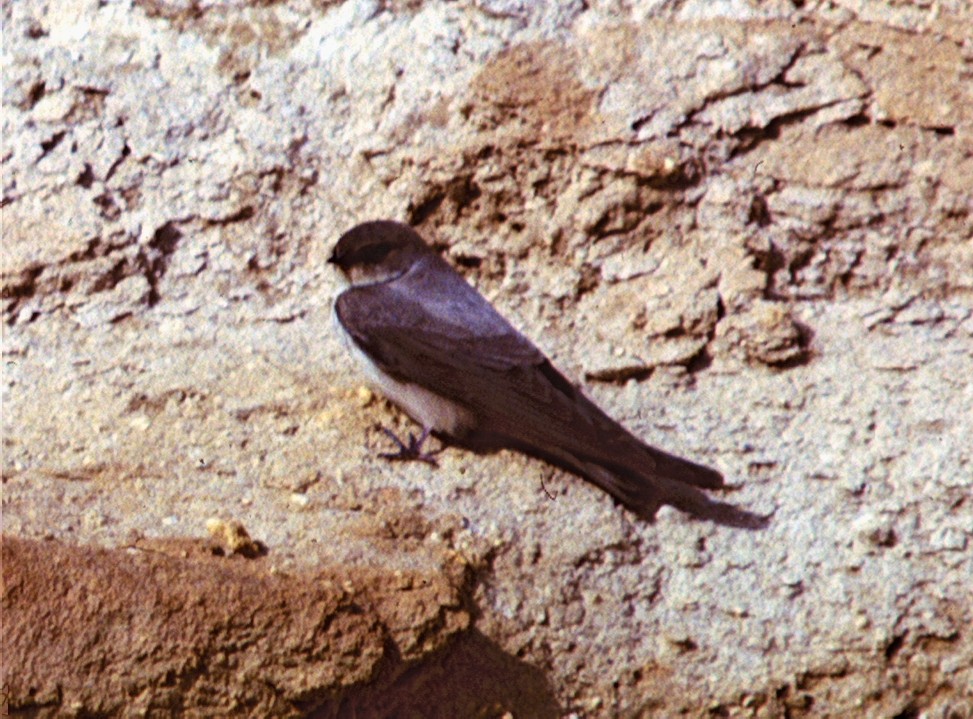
[434, 346]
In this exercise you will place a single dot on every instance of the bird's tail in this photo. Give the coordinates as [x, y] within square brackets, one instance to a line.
[645, 491]
[644, 494]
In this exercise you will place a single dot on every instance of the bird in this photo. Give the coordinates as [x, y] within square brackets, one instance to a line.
[433, 345]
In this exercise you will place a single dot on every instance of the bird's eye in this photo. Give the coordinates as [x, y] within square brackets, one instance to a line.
[372, 254]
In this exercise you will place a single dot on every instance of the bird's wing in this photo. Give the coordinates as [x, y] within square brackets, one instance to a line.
[431, 321]
[435, 330]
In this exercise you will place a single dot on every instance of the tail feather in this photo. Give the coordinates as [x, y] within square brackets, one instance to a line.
[656, 478]
[683, 470]
[646, 493]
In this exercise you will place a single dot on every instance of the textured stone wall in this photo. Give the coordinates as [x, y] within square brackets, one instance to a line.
[745, 227]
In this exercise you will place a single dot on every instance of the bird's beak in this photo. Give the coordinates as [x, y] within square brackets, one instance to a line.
[333, 260]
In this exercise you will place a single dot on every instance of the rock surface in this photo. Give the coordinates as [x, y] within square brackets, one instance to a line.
[747, 228]
[169, 628]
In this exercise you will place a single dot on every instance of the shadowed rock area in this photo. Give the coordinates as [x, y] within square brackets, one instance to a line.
[745, 228]
[175, 629]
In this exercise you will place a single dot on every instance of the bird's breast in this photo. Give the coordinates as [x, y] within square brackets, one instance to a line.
[431, 410]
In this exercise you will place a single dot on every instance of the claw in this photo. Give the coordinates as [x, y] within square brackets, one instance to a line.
[411, 452]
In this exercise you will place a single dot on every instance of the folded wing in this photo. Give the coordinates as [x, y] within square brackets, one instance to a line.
[454, 343]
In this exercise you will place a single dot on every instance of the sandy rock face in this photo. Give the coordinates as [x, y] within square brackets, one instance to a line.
[167, 627]
[745, 229]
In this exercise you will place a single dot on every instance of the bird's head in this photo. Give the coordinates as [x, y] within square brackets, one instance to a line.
[377, 251]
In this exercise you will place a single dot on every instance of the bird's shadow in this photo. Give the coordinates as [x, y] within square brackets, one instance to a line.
[725, 514]
[722, 513]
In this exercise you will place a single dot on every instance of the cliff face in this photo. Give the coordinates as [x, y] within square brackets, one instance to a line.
[746, 229]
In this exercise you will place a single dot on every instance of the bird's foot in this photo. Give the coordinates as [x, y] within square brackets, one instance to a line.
[411, 452]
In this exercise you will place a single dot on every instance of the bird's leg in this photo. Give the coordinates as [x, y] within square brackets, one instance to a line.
[411, 452]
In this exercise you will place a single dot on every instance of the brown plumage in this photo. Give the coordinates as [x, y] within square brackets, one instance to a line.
[437, 348]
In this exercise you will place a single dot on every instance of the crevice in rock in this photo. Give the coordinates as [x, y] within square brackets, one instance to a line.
[425, 209]
[859, 120]
[461, 192]
[107, 206]
[588, 281]
[126, 151]
[749, 138]
[48, 145]
[155, 261]
[35, 31]
[893, 647]
[110, 279]
[700, 361]
[468, 261]
[86, 177]
[804, 354]
[910, 711]
[242, 215]
[34, 95]
[22, 288]
[759, 213]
